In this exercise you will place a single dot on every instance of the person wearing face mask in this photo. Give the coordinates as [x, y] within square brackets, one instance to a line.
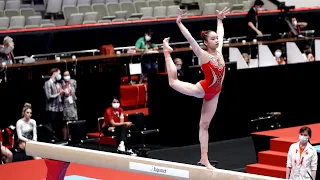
[114, 121]
[54, 107]
[144, 44]
[178, 62]
[302, 159]
[278, 57]
[70, 112]
[297, 26]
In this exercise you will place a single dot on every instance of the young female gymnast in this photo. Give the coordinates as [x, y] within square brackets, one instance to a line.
[213, 66]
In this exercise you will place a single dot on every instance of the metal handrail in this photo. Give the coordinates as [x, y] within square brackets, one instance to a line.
[93, 51]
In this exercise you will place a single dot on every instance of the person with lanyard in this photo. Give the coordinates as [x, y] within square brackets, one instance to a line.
[70, 112]
[54, 107]
[302, 159]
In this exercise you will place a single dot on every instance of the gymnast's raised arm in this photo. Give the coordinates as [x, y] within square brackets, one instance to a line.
[220, 28]
[220, 32]
[195, 46]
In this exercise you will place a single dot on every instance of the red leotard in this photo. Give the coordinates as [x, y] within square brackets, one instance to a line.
[213, 76]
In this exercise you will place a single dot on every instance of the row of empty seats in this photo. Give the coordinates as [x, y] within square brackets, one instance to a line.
[26, 12]
[20, 22]
[58, 8]
[10, 5]
[21, 18]
[209, 7]
[116, 12]
[82, 12]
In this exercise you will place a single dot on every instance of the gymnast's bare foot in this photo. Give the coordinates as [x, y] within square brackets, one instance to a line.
[207, 164]
[166, 47]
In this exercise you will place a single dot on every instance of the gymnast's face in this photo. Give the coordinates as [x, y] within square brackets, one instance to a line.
[28, 113]
[212, 41]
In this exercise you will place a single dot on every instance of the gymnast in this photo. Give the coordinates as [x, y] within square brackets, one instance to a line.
[209, 89]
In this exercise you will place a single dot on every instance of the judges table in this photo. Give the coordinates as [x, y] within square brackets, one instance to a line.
[115, 57]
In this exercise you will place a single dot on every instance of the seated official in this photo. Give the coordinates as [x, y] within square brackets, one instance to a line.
[307, 54]
[6, 49]
[114, 120]
[278, 57]
[26, 128]
[246, 58]
[144, 44]
[5, 154]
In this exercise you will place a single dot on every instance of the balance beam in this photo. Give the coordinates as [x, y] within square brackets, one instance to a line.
[133, 164]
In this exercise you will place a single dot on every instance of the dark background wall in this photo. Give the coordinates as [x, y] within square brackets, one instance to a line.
[246, 95]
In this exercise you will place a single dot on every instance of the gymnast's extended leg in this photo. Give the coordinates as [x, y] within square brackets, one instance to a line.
[189, 89]
[208, 110]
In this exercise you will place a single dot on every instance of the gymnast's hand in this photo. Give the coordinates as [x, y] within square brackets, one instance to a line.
[222, 14]
[180, 16]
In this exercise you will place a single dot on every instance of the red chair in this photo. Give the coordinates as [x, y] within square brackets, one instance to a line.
[134, 98]
[125, 79]
[107, 49]
[102, 139]
[8, 136]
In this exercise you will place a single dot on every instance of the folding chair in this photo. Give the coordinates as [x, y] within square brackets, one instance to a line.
[77, 131]
[139, 129]
[100, 123]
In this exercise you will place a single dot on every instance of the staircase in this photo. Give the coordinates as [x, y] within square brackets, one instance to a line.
[273, 162]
